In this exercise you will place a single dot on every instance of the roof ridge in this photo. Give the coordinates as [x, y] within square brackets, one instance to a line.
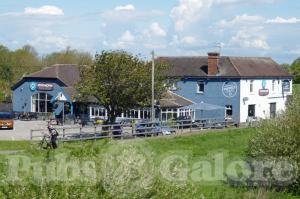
[181, 96]
[234, 66]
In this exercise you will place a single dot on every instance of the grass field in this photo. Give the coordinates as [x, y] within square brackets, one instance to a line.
[163, 167]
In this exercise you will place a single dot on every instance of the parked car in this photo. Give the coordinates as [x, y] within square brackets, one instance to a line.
[156, 128]
[165, 130]
[6, 120]
[115, 129]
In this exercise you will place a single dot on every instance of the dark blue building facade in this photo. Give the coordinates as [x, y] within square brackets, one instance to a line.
[38, 95]
[218, 91]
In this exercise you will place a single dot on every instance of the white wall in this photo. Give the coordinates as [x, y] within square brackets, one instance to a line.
[262, 108]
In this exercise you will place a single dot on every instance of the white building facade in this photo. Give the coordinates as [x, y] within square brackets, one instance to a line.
[263, 98]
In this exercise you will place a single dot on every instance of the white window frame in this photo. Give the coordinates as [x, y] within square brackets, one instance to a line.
[38, 100]
[198, 87]
[228, 107]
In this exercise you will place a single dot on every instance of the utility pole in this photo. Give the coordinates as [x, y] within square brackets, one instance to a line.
[152, 101]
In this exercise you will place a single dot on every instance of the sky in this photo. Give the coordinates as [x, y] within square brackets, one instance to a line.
[269, 28]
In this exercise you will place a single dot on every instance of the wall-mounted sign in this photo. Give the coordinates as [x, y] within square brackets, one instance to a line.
[286, 86]
[229, 89]
[44, 87]
[264, 84]
[32, 86]
[263, 92]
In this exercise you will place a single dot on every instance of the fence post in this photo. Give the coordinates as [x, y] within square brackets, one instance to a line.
[95, 131]
[181, 127]
[111, 128]
[64, 133]
[31, 134]
[80, 136]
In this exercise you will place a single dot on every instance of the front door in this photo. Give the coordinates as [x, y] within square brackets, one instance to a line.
[272, 110]
[251, 110]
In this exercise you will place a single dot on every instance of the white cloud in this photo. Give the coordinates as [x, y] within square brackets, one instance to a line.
[188, 11]
[251, 38]
[238, 2]
[155, 30]
[186, 41]
[241, 20]
[46, 39]
[128, 7]
[280, 20]
[44, 10]
[126, 39]
[127, 16]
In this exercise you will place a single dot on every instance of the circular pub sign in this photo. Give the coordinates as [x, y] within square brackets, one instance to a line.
[229, 89]
[32, 86]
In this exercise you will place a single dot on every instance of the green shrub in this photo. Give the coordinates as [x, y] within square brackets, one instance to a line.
[278, 140]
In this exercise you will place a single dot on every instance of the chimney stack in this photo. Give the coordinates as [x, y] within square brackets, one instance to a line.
[213, 61]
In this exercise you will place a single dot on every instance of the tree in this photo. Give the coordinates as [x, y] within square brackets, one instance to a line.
[68, 56]
[25, 61]
[120, 82]
[295, 69]
[276, 141]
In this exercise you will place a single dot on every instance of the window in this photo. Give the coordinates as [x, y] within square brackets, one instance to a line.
[168, 114]
[200, 87]
[41, 103]
[273, 85]
[173, 87]
[228, 111]
[272, 110]
[251, 110]
[251, 86]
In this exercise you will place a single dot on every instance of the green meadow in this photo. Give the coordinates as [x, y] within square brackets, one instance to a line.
[159, 167]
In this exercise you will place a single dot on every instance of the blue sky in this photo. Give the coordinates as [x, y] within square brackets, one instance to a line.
[174, 27]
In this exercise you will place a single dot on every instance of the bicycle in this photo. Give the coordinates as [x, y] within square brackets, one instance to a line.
[45, 143]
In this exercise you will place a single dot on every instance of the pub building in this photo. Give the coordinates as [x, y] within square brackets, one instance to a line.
[213, 86]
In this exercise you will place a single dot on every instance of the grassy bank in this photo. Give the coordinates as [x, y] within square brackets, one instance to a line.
[163, 167]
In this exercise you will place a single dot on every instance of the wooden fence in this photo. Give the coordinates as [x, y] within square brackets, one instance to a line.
[127, 131]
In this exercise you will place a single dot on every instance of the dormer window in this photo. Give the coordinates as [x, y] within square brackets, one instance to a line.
[173, 87]
[200, 87]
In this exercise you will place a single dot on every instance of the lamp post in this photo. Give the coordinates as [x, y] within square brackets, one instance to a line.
[152, 100]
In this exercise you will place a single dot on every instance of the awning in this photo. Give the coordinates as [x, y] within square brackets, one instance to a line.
[203, 106]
